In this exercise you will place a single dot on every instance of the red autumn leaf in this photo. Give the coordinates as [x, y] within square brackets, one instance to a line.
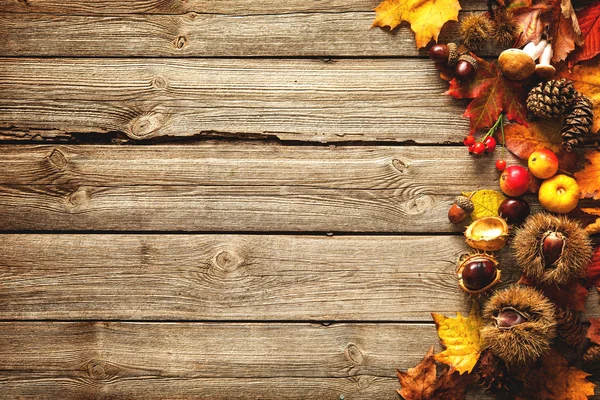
[593, 331]
[554, 379]
[492, 94]
[571, 296]
[421, 383]
[540, 134]
[555, 18]
[589, 22]
[593, 269]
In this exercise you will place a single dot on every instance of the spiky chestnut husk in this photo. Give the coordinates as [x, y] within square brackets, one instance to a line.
[475, 31]
[572, 260]
[505, 29]
[524, 341]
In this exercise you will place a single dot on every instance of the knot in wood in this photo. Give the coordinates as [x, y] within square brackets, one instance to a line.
[79, 197]
[354, 354]
[159, 82]
[228, 261]
[96, 370]
[57, 159]
[192, 15]
[419, 205]
[399, 165]
[144, 126]
[181, 42]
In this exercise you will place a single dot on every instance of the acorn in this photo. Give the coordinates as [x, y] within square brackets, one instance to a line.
[477, 273]
[460, 209]
[552, 249]
[466, 67]
[439, 53]
[519, 325]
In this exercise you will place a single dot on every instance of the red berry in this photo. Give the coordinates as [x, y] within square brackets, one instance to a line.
[472, 149]
[490, 144]
[439, 53]
[469, 140]
[479, 148]
[500, 165]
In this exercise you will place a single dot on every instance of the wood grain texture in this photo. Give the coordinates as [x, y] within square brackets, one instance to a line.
[234, 187]
[301, 100]
[227, 7]
[268, 33]
[215, 361]
[232, 277]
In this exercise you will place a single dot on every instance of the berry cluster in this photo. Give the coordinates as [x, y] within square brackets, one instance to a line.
[487, 145]
[452, 62]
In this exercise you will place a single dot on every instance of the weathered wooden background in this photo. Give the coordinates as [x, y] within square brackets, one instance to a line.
[223, 200]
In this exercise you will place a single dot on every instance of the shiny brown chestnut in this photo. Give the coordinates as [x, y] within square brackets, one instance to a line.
[477, 273]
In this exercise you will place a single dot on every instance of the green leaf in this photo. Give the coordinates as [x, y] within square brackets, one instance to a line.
[486, 203]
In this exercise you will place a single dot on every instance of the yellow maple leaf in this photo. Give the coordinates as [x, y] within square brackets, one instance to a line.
[426, 17]
[460, 336]
[486, 203]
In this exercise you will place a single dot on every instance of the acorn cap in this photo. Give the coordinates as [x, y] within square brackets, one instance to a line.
[544, 71]
[465, 203]
[452, 54]
[515, 64]
[471, 60]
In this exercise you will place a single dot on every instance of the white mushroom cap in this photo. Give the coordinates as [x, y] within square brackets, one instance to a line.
[516, 64]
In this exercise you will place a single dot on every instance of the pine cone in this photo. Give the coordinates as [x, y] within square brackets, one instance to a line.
[578, 121]
[551, 98]
[568, 328]
[591, 357]
[494, 376]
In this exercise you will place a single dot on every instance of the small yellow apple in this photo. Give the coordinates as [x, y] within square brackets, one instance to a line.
[559, 194]
[543, 164]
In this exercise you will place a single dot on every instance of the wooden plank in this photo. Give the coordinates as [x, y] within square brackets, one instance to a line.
[227, 7]
[229, 277]
[216, 361]
[275, 33]
[235, 187]
[235, 277]
[307, 100]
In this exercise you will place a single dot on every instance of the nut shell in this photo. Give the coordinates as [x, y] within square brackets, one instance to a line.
[487, 234]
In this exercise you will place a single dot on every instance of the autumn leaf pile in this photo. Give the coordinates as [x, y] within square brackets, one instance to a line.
[574, 38]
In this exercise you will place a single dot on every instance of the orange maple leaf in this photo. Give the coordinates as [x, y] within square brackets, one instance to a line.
[593, 331]
[554, 379]
[426, 17]
[593, 226]
[586, 79]
[461, 338]
[588, 178]
[539, 134]
[421, 383]
[492, 94]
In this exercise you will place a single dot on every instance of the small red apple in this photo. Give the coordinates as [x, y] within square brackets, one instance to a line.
[514, 180]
